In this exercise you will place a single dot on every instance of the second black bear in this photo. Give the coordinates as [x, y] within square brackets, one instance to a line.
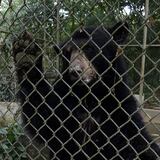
[89, 112]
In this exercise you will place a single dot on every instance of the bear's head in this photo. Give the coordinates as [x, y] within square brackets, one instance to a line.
[90, 52]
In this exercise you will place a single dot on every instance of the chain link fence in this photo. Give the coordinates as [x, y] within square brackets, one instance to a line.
[80, 103]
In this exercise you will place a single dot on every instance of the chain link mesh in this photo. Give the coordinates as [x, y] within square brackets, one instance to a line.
[38, 27]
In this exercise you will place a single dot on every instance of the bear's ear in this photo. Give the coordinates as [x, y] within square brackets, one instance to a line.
[120, 32]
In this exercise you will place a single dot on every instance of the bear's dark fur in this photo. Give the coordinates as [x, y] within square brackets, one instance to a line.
[89, 112]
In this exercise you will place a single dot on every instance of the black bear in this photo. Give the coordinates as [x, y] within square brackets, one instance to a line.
[89, 112]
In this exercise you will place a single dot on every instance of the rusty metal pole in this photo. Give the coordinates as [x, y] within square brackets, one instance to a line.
[141, 91]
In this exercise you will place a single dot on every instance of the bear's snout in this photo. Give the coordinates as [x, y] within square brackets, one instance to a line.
[81, 68]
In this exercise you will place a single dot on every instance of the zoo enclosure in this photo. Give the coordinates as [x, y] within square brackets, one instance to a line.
[53, 21]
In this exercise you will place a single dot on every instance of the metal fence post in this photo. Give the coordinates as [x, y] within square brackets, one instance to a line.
[141, 94]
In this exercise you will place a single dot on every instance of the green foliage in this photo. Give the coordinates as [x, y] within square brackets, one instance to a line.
[7, 90]
[10, 147]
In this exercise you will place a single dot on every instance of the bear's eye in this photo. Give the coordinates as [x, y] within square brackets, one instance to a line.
[66, 54]
[89, 49]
